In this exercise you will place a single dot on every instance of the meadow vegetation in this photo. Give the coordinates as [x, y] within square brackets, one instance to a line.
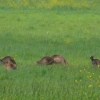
[28, 33]
[48, 4]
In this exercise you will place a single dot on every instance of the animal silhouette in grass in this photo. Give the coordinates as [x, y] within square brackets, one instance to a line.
[8, 62]
[47, 60]
[95, 61]
[55, 59]
[58, 59]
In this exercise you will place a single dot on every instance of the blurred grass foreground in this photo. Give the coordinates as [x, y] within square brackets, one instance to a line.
[48, 4]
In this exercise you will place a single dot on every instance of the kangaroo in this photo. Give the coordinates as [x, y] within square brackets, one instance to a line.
[95, 61]
[8, 62]
[58, 59]
[46, 61]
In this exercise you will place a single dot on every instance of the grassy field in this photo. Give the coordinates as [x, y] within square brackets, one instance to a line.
[28, 35]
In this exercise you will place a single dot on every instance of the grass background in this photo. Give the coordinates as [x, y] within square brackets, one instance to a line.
[29, 34]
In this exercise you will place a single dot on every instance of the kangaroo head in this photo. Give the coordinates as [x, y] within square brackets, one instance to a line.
[91, 57]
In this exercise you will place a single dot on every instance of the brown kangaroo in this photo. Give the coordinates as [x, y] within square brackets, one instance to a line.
[46, 61]
[58, 59]
[8, 62]
[95, 61]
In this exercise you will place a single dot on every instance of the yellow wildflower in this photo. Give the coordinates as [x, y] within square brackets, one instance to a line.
[76, 81]
[89, 86]
[80, 70]
[84, 69]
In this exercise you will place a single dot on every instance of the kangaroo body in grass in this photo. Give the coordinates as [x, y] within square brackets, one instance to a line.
[55, 59]
[58, 59]
[47, 60]
[95, 61]
[8, 62]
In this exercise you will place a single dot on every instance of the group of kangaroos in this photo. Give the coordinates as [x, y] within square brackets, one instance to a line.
[9, 62]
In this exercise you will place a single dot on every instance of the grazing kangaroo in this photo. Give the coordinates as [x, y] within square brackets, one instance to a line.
[8, 62]
[46, 61]
[58, 59]
[95, 61]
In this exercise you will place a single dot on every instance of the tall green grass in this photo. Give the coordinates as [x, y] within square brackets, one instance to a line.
[28, 35]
